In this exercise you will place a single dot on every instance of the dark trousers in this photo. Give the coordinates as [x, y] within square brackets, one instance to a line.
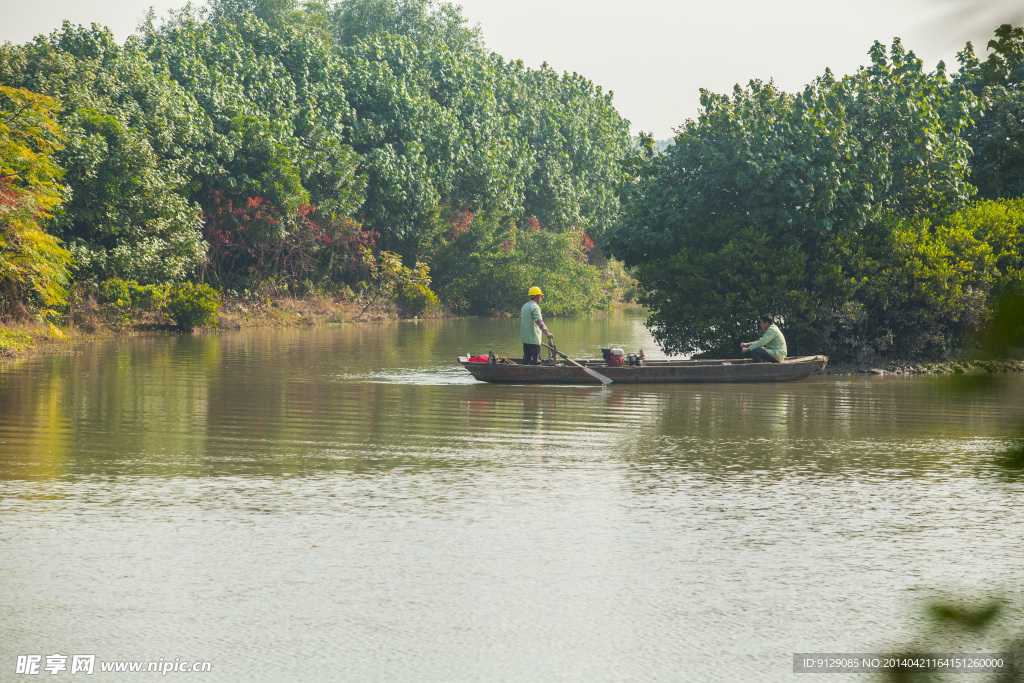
[761, 356]
[531, 354]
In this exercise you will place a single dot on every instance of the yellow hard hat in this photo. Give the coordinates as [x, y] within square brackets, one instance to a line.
[534, 291]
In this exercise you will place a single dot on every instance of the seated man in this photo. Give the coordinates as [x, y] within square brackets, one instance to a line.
[771, 347]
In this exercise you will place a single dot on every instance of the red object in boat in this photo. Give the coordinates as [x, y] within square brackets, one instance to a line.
[478, 359]
[615, 361]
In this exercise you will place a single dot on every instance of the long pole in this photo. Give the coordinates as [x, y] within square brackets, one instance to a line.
[593, 373]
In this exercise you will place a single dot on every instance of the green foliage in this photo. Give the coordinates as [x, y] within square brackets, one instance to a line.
[997, 136]
[274, 111]
[415, 298]
[34, 267]
[556, 262]
[437, 127]
[174, 136]
[1003, 336]
[835, 157]
[415, 151]
[618, 281]
[123, 298]
[14, 342]
[118, 297]
[485, 268]
[147, 297]
[191, 305]
[578, 147]
[914, 288]
[127, 128]
[391, 280]
[425, 22]
[923, 285]
[274, 13]
[781, 203]
[704, 300]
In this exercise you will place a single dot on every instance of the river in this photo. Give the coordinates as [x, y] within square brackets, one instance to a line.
[349, 504]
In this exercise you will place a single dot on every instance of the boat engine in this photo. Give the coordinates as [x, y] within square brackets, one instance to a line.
[613, 357]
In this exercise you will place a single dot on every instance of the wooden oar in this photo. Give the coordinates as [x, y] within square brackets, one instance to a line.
[593, 373]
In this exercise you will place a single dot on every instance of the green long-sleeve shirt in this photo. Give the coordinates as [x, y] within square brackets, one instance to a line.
[531, 324]
[773, 342]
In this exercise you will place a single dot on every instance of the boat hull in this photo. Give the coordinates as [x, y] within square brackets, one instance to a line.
[651, 372]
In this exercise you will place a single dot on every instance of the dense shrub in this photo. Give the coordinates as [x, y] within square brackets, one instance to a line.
[148, 297]
[191, 305]
[415, 298]
[251, 244]
[485, 268]
[125, 298]
[392, 282]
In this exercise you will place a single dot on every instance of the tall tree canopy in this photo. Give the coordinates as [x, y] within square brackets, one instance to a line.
[221, 139]
[997, 138]
[426, 22]
[759, 204]
[129, 131]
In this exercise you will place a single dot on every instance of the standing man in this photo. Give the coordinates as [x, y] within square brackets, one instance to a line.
[531, 326]
[771, 347]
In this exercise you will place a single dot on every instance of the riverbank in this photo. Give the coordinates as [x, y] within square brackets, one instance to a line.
[948, 367]
[32, 336]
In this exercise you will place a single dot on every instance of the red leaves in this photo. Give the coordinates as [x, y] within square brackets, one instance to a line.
[245, 236]
[8, 195]
[461, 222]
[225, 221]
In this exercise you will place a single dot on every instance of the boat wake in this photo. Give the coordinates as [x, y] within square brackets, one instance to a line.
[439, 376]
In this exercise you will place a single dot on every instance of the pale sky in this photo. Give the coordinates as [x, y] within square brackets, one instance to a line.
[655, 55]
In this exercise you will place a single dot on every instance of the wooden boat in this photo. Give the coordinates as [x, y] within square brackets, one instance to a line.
[651, 371]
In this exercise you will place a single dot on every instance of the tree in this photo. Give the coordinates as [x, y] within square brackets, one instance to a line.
[997, 137]
[277, 115]
[426, 22]
[274, 13]
[577, 145]
[34, 267]
[128, 131]
[755, 206]
[245, 121]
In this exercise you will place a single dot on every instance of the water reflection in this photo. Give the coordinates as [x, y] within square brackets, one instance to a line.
[272, 402]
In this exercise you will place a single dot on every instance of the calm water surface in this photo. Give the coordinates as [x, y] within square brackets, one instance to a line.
[349, 504]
